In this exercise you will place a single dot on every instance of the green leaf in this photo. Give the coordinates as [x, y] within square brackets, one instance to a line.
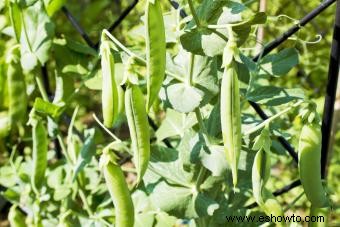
[184, 98]
[215, 161]
[190, 148]
[203, 82]
[36, 39]
[52, 6]
[7, 176]
[273, 96]
[182, 202]
[165, 163]
[174, 200]
[86, 153]
[280, 63]
[163, 219]
[5, 124]
[174, 124]
[79, 47]
[61, 193]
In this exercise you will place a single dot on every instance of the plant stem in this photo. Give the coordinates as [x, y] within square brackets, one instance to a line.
[219, 34]
[106, 129]
[264, 123]
[191, 69]
[41, 88]
[194, 14]
[63, 148]
[140, 59]
[290, 205]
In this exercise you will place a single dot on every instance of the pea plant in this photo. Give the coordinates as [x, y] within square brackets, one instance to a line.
[159, 129]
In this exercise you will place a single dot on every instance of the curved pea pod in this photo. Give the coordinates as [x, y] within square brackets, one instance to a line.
[271, 206]
[40, 146]
[155, 50]
[139, 128]
[310, 164]
[16, 90]
[231, 117]
[320, 217]
[260, 174]
[15, 17]
[121, 105]
[119, 191]
[110, 96]
[16, 218]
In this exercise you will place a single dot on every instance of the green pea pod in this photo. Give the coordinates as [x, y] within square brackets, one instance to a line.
[119, 191]
[320, 217]
[15, 17]
[110, 97]
[40, 146]
[260, 174]
[121, 106]
[16, 89]
[53, 6]
[231, 117]
[310, 164]
[139, 128]
[16, 218]
[155, 50]
[271, 206]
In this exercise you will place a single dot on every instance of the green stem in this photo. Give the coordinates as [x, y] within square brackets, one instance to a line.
[25, 30]
[41, 88]
[194, 14]
[131, 54]
[106, 129]
[219, 34]
[267, 121]
[85, 203]
[191, 69]
[290, 205]
[201, 177]
[63, 148]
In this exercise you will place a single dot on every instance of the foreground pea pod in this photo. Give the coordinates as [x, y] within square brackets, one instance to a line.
[310, 164]
[155, 50]
[139, 128]
[271, 206]
[318, 217]
[231, 117]
[260, 174]
[118, 189]
[110, 97]
[40, 146]
[16, 88]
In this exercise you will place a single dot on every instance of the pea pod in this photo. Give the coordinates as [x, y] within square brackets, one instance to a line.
[155, 50]
[110, 97]
[271, 206]
[16, 88]
[320, 215]
[260, 174]
[119, 191]
[310, 164]
[16, 218]
[231, 117]
[40, 146]
[15, 17]
[139, 128]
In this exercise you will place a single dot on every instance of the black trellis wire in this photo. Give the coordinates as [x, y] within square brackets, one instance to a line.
[331, 85]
